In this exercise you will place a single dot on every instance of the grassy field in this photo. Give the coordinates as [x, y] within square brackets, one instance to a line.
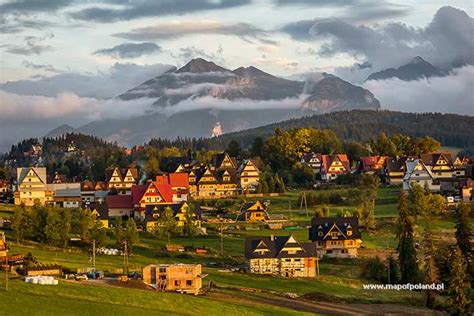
[340, 280]
[80, 299]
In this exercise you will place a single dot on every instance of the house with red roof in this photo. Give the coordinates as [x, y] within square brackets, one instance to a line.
[372, 164]
[120, 205]
[179, 182]
[333, 166]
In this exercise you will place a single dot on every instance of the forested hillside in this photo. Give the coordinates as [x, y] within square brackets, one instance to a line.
[449, 129]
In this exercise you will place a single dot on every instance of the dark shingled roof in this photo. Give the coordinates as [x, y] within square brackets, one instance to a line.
[324, 225]
[275, 245]
[101, 208]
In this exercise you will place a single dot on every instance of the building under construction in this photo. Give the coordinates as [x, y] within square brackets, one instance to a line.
[185, 278]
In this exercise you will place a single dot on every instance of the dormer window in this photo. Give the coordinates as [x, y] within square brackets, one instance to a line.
[349, 232]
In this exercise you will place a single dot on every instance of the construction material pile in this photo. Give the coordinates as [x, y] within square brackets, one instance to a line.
[42, 280]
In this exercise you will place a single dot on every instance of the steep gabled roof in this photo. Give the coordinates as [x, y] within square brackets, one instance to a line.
[411, 165]
[431, 159]
[328, 160]
[101, 208]
[152, 210]
[137, 193]
[275, 246]
[322, 226]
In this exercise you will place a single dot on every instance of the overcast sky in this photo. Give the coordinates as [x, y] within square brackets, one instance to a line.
[283, 37]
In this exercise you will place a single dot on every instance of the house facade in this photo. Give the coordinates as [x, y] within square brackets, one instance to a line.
[248, 175]
[281, 255]
[333, 166]
[122, 180]
[312, 160]
[253, 212]
[184, 278]
[418, 172]
[372, 164]
[338, 237]
[32, 186]
[120, 205]
[180, 210]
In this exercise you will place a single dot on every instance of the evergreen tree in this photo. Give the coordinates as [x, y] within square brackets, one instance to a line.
[463, 232]
[393, 270]
[458, 289]
[258, 147]
[368, 216]
[418, 200]
[406, 242]
[166, 224]
[131, 234]
[85, 221]
[234, 149]
[118, 232]
[20, 222]
[189, 225]
[431, 272]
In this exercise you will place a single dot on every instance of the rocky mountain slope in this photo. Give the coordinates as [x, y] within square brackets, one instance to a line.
[417, 68]
[203, 99]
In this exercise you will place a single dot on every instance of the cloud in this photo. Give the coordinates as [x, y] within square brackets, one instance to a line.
[119, 78]
[176, 29]
[355, 12]
[45, 67]
[152, 8]
[33, 116]
[186, 53]
[33, 45]
[129, 50]
[446, 40]
[450, 94]
[208, 102]
[30, 6]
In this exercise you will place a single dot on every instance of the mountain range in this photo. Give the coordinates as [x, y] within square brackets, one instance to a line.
[416, 69]
[201, 98]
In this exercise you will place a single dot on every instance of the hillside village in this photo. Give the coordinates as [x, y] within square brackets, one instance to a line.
[290, 212]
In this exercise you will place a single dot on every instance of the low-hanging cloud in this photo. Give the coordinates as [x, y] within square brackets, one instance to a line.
[146, 8]
[129, 50]
[106, 84]
[176, 29]
[450, 94]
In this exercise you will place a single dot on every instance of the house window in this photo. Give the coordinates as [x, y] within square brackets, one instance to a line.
[177, 283]
[162, 270]
[189, 282]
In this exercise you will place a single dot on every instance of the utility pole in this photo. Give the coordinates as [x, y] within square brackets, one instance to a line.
[125, 258]
[289, 210]
[93, 253]
[6, 269]
[222, 238]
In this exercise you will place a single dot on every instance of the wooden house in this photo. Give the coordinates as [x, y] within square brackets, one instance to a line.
[120, 205]
[179, 183]
[467, 191]
[248, 176]
[395, 169]
[216, 183]
[441, 165]
[418, 172]
[372, 164]
[100, 212]
[312, 160]
[32, 186]
[93, 192]
[66, 195]
[333, 166]
[336, 236]
[184, 278]
[122, 180]
[223, 161]
[281, 255]
[154, 212]
[253, 212]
